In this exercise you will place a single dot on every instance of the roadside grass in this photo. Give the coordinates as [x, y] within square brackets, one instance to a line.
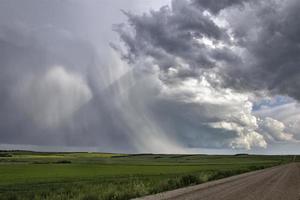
[93, 176]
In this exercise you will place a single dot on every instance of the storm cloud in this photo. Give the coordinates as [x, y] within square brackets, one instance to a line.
[131, 77]
[253, 47]
[203, 51]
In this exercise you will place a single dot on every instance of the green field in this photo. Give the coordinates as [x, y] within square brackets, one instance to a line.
[92, 176]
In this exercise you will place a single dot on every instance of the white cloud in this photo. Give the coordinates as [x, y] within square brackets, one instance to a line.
[225, 108]
[288, 115]
[246, 137]
[54, 96]
[249, 139]
[275, 130]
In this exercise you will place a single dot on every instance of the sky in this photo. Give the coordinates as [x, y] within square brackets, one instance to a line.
[151, 76]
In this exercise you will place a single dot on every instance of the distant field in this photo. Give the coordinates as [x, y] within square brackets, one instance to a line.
[92, 176]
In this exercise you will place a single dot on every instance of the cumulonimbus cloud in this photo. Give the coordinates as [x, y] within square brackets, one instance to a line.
[197, 40]
[192, 75]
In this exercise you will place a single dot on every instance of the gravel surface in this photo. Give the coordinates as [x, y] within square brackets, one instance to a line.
[277, 183]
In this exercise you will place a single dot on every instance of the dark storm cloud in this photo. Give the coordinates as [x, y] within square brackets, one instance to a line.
[244, 46]
[215, 6]
[173, 32]
[59, 84]
[264, 54]
[272, 47]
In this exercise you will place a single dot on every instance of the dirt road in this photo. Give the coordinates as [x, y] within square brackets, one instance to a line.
[277, 183]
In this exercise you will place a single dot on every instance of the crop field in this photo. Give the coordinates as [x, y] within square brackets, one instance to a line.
[105, 176]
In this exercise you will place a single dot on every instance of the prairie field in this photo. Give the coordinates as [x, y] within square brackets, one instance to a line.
[105, 176]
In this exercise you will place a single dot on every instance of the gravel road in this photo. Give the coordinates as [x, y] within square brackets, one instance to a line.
[277, 183]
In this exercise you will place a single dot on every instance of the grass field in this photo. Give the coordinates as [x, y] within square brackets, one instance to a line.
[95, 176]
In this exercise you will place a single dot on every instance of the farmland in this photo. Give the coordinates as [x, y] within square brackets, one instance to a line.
[92, 176]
